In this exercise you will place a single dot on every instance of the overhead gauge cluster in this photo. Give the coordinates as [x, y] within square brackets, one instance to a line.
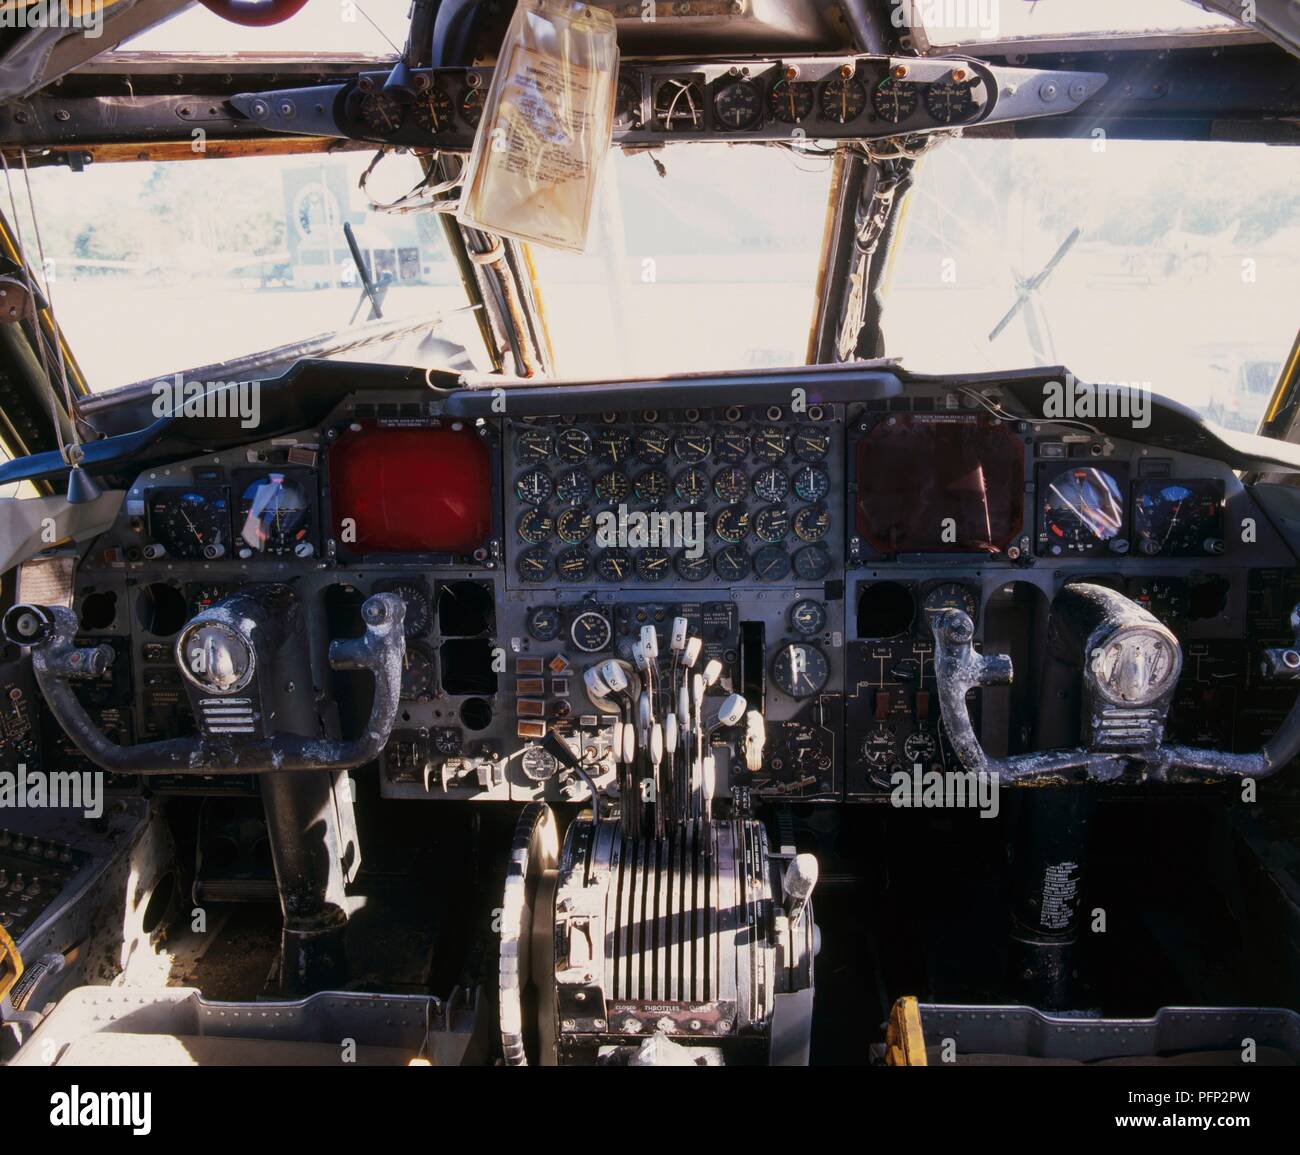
[743, 495]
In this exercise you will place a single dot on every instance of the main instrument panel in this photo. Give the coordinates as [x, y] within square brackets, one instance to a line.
[798, 551]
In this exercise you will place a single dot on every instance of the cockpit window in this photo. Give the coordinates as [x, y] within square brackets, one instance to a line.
[1166, 264]
[708, 264]
[160, 268]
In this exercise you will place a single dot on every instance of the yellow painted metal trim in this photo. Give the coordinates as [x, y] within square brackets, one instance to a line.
[1284, 382]
[904, 1038]
[11, 963]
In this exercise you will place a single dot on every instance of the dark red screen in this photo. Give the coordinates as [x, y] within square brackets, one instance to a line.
[411, 490]
[944, 482]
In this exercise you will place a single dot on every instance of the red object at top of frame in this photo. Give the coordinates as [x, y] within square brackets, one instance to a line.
[418, 490]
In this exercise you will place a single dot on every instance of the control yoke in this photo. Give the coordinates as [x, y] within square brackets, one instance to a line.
[1130, 664]
[232, 645]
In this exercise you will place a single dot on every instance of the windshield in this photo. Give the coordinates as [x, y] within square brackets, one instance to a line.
[710, 265]
[1171, 265]
[156, 268]
[963, 21]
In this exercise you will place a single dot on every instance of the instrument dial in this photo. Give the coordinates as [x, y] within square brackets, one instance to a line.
[652, 485]
[812, 522]
[895, 100]
[949, 596]
[544, 623]
[738, 105]
[811, 484]
[653, 564]
[417, 674]
[434, 111]
[773, 523]
[812, 563]
[613, 487]
[693, 569]
[732, 524]
[274, 515]
[574, 526]
[843, 99]
[652, 445]
[692, 486]
[537, 764]
[419, 606]
[573, 564]
[1082, 509]
[771, 484]
[535, 487]
[573, 445]
[205, 596]
[613, 446]
[951, 101]
[591, 632]
[381, 113]
[535, 526]
[614, 565]
[772, 563]
[731, 563]
[1167, 598]
[791, 101]
[807, 618]
[921, 746]
[731, 485]
[471, 105]
[692, 447]
[573, 487]
[731, 446]
[627, 102]
[770, 443]
[1179, 518]
[186, 522]
[811, 444]
[878, 746]
[800, 669]
[533, 446]
[534, 564]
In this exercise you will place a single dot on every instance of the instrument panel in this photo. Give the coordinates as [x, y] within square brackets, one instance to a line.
[807, 547]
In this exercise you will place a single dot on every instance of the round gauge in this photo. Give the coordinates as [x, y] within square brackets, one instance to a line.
[381, 113]
[204, 597]
[773, 523]
[417, 674]
[614, 565]
[537, 764]
[772, 563]
[843, 99]
[434, 111]
[878, 746]
[613, 487]
[653, 564]
[679, 106]
[770, 443]
[535, 526]
[894, 100]
[471, 105]
[419, 606]
[274, 514]
[800, 669]
[534, 487]
[573, 564]
[738, 105]
[574, 526]
[812, 563]
[651, 485]
[732, 524]
[613, 446]
[1179, 518]
[188, 522]
[573, 445]
[948, 596]
[652, 445]
[921, 746]
[811, 444]
[731, 563]
[1082, 508]
[591, 632]
[1169, 599]
[771, 484]
[812, 522]
[791, 101]
[731, 446]
[544, 623]
[532, 446]
[446, 740]
[811, 484]
[627, 102]
[534, 564]
[692, 486]
[951, 101]
[693, 569]
[807, 618]
[573, 486]
[731, 485]
[692, 447]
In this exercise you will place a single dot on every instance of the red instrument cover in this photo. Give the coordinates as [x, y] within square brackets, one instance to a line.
[418, 490]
